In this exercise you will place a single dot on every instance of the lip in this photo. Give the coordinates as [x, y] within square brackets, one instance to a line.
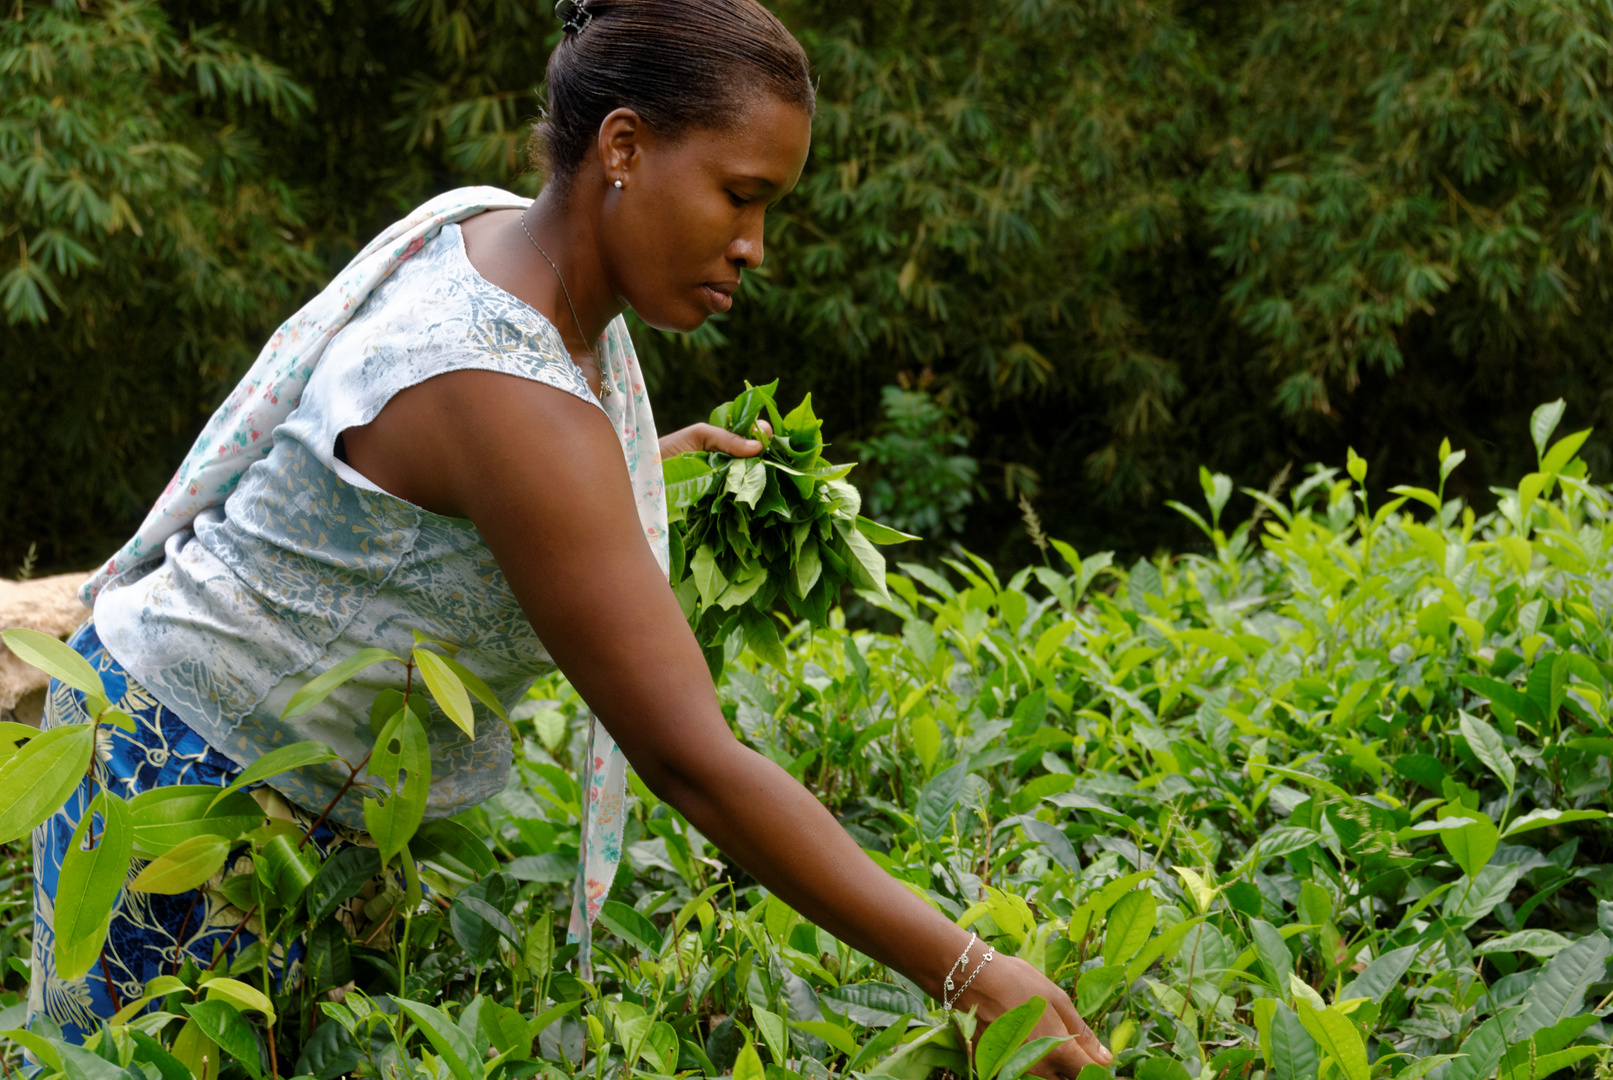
[719, 296]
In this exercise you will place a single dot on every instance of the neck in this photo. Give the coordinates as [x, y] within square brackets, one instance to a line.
[567, 233]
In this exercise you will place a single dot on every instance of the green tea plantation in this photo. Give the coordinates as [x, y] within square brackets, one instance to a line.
[1324, 800]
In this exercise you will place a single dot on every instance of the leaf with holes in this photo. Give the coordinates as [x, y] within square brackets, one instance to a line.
[402, 761]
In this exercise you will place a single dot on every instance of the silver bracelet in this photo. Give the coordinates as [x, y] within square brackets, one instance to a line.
[961, 963]
[949, 999]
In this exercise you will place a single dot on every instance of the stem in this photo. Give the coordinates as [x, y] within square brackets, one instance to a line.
[268, 992]
[1187, 991]
[112, 991]
[403, 958]
[354, 770]
[89, 774]
[184, 924]
[95, 737]
[377, 932]
[233, 935]
[323, 814]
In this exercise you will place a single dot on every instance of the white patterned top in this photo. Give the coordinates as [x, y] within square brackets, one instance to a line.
[307, 562]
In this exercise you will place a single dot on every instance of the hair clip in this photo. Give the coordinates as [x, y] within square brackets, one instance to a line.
[574, 15]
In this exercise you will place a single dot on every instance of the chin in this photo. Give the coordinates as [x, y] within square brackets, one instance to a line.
[684, 320]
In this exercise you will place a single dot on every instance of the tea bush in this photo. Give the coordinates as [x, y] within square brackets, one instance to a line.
[1326, 800]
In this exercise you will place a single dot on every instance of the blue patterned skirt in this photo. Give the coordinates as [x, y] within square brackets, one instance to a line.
[151, 934]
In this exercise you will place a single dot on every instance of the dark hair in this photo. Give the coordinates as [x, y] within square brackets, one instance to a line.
[679, 64]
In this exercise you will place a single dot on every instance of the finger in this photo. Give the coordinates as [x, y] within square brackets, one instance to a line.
[767, 429]
[727, 442]
[1063, 1062]
[1066, 1060]
[1070, 1057]
[1085, 1039]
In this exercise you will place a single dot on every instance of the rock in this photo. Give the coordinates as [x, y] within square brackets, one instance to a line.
[49, 605]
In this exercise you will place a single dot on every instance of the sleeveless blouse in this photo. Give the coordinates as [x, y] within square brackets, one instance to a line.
[307, 562]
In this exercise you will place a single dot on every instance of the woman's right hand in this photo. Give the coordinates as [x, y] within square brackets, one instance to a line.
[1008, 981]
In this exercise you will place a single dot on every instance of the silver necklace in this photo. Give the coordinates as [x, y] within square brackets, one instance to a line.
[604, 376]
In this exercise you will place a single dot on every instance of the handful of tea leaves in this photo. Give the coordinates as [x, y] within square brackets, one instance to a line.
[785, 525]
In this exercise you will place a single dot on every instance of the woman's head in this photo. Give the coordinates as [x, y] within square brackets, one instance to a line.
[681, 120]
[678, 64]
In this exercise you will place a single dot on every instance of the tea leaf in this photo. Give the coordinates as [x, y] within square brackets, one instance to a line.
[279, 760]
[55, 658]
[1005, 1035]
[1131, 921]
[320, 687]
[446, 1039]
[1487, 746]
[446, 689]
[38, 778]
[183, 867]
[165, 816]
[1335, 1034]
[90, 882]
[1559, 991]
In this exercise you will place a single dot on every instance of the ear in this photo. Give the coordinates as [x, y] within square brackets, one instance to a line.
[621, 138]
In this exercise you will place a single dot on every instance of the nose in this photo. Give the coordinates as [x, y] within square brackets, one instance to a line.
[746, 252]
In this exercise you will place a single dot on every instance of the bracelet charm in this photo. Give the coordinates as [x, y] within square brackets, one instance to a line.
[949, 997]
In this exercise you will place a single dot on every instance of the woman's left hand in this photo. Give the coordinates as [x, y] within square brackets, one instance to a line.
[697, 437]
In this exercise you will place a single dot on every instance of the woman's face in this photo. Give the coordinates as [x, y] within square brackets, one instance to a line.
[688, 217]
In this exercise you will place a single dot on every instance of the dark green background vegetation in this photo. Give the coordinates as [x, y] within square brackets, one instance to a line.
[1114, 239]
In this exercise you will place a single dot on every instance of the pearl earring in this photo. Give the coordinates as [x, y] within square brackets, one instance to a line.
[618, 183]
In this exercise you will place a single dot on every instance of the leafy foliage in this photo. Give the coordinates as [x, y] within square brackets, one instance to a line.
[1136, 236]
[1329, 800]
[150, 245]
[923, 476]
[1129, 236]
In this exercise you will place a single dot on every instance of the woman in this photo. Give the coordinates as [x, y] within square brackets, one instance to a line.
[454, 439]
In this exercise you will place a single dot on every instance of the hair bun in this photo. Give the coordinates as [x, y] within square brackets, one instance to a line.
[574, 15]
[678, 64]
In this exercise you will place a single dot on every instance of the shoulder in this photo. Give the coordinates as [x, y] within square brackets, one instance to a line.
[425, 219]
[439, 315]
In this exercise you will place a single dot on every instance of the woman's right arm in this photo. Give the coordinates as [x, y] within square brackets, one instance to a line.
[542, 476]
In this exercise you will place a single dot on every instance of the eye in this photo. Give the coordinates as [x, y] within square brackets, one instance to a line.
[737, 200]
